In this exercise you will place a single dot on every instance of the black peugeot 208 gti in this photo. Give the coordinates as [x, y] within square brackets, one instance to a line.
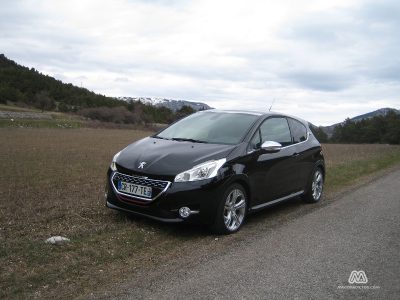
[216, 167]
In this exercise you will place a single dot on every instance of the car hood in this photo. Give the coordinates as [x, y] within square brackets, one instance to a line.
[167, 157]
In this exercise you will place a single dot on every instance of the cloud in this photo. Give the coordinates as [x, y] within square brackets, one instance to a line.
[315, 57]
[358, 43]
[321, 81]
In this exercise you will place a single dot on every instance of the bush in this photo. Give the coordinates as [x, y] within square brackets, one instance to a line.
[118, 114]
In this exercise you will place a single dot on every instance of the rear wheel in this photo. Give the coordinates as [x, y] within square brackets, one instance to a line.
[231, 210]
[315, 187]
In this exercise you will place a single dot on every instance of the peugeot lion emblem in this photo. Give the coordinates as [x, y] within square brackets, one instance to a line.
[141, 165]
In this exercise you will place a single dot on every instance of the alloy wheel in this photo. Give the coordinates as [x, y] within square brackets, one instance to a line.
[317, 185]
[234, 209]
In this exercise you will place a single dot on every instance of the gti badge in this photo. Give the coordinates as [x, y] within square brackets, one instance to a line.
[141, 165]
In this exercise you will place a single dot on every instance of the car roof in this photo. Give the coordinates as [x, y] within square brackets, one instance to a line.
[234, 111]
[255, 112]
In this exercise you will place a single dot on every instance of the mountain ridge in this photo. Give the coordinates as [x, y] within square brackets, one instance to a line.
[172, 104]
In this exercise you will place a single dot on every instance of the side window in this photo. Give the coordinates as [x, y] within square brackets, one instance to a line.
[299, 131]
[277, 130]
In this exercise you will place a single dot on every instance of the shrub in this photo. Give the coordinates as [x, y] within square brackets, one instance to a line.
[110, 114]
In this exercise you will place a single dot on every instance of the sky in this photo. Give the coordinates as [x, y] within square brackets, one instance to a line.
[320, 60]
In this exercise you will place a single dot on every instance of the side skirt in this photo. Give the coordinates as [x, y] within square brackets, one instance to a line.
[266, 204]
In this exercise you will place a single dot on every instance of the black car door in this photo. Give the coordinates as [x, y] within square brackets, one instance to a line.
[303, 160]
[271, 175]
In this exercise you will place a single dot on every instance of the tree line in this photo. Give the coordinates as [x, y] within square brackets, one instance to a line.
[379, 129]
[28, 87]
[383, 129]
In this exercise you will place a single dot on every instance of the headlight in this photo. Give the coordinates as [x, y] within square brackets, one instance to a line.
[113, 166]
[203, 171]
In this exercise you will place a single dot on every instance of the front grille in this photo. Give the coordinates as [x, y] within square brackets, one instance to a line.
[158, 186]
[137, 173]
[142, 181]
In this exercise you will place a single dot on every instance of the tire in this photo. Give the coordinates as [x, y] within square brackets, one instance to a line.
[232, 210]
[315, 187]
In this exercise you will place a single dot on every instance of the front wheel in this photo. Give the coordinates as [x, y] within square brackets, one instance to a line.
[315, 187]
[231, 210]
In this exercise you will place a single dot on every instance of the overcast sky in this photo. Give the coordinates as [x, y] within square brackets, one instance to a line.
[320, 60]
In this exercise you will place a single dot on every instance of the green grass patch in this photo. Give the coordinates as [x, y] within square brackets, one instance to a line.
[15, 108]
[342, 175]
[26, 123]
[39, 265]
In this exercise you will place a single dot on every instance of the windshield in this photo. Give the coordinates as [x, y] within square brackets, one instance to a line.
[210, 127]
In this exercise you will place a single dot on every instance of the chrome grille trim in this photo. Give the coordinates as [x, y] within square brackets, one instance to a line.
[153, 183]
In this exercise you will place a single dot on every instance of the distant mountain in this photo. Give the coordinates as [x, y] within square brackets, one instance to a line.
[380, 112]
[172, 104]
[375, 113]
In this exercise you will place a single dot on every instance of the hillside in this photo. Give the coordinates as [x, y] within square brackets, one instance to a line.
[375, 113]
[381, 127]
[379, 112]
[20, 84]
[28, 87]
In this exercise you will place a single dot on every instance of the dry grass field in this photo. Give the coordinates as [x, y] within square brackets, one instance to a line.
[337, 154]
[52, 183]
[346, 164]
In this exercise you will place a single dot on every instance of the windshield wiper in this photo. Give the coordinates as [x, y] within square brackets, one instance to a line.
[188, 140]
[159, 137]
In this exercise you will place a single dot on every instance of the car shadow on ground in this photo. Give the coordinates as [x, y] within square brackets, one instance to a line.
[183, 229]
[270, 216]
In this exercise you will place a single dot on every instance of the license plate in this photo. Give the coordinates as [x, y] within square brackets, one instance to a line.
[134, 189]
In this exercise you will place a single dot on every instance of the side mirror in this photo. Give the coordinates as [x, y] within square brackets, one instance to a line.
[271, 146]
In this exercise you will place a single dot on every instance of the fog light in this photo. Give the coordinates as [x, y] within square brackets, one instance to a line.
[184, 212]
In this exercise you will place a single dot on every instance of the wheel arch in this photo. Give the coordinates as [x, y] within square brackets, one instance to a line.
[244, 182]
[320, 164]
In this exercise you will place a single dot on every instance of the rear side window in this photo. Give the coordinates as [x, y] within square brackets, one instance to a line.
[299, 131]
[273, 129]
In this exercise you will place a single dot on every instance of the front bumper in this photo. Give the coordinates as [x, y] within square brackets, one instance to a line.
[201, 196]
[177, 220]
